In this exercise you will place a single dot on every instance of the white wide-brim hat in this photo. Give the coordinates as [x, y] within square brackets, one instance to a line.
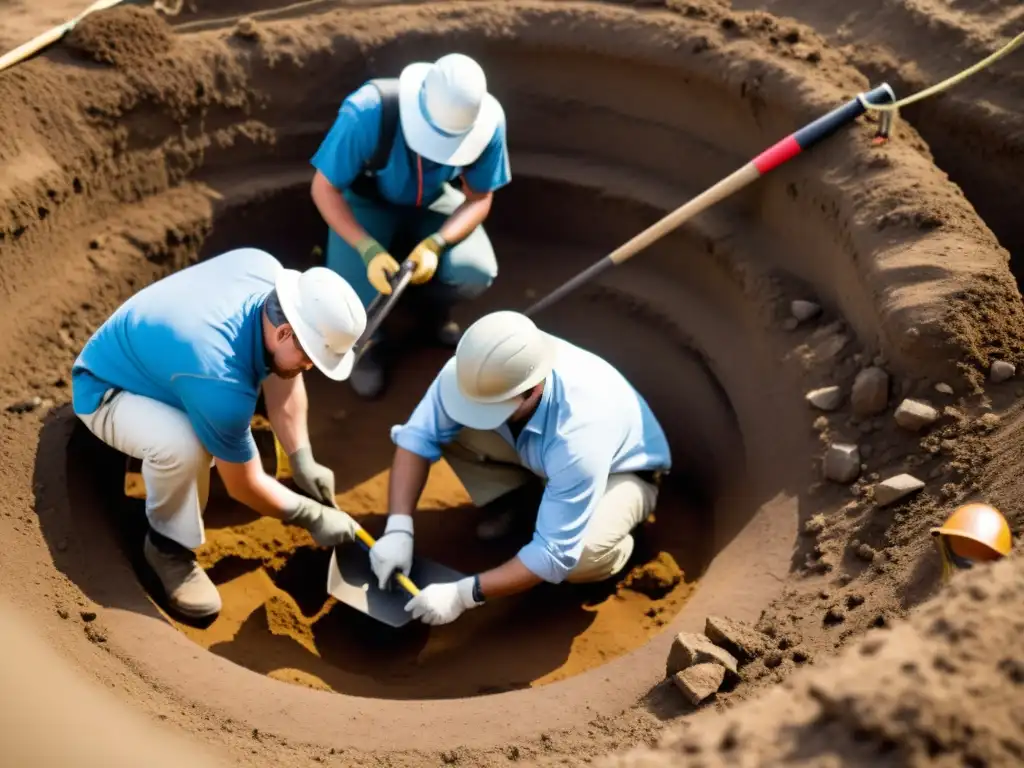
[426, 139]
[335, 362]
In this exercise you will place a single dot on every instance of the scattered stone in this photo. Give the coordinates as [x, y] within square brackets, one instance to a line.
[790, 324]
[914, 415]
[25, 406]
[63, 613]
[740, 639]
[801, 657]
[870, 392]
[699, 681]
[895, 488]
[1001, 371]
[854, 601]
[813, 526]
[842, 463]
[804, 310]
[944, 388]
[689, 649]
[989, 420]
[820, 424]
[825, 398]
[88, 616]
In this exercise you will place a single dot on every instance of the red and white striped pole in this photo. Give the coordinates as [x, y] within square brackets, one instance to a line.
[771, 158]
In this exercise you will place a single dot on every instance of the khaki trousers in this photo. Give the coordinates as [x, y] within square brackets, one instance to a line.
[175, 465]
[489, 467]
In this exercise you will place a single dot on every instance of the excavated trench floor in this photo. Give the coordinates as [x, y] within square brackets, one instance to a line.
[142, 151]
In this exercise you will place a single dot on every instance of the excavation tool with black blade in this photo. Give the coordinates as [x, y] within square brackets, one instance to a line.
[350, 578]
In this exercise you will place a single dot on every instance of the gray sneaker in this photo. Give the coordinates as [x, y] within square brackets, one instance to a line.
[185, 583]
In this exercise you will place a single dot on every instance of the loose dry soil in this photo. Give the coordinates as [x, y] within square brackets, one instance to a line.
[145, 141]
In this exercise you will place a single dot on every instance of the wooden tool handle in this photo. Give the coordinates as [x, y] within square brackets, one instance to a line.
[402, 579]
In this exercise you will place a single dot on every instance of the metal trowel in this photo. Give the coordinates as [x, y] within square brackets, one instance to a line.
[350, 580]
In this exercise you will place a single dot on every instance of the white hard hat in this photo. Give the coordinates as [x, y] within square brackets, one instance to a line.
[446, 112]
[326, 314]
[499, 357]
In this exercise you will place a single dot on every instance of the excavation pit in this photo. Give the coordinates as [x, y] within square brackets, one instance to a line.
[615, 118]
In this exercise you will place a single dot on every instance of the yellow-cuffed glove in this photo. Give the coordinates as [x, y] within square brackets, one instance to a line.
[425, 257]
[380, 265]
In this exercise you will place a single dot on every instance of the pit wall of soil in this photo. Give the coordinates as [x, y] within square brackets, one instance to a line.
[152, 150]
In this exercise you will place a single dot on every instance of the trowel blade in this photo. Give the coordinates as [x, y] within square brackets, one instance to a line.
[350, 580]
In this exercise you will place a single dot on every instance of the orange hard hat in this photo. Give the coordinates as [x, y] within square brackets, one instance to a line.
[977, 532]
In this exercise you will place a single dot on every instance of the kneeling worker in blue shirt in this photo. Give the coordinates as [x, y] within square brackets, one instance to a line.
[173, 377]
[514, 401]
[383, 182]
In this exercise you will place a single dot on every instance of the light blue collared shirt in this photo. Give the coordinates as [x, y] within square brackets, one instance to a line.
[590, 423]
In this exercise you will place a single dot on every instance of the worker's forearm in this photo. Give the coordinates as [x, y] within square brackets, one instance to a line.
[288, 409]
[408, 476]
[465, 219]
[264, 495]
[509, 578]
[336, 212]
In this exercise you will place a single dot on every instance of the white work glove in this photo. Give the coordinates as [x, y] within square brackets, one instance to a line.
[393, 550]
[443, 603]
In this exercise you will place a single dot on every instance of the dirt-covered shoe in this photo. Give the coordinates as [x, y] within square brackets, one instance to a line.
[185, 583]
[448, 334]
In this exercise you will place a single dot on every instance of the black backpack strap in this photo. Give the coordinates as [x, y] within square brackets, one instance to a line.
[388, 88]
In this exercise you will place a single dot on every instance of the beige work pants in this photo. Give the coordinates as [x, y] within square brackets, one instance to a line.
[489, 467]
[175, 465]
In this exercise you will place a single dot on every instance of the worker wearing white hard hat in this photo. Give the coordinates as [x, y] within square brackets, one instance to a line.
[514, 403]
[384, 186]
[172, 377]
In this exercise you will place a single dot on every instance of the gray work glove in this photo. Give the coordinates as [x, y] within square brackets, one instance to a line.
[328, 526]
[315, 479]
[393, 550]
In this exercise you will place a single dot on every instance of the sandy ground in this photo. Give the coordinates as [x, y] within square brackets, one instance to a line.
[140, 147]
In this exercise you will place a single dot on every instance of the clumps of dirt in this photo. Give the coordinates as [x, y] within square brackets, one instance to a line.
[986, 321]
[121, 36]
[655, 578]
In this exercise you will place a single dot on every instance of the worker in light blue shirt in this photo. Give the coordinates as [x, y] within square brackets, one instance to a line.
[383, 185]
[172, 378]
[512, 403]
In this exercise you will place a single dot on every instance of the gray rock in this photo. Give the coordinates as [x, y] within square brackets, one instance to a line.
[689, 649]
[699, 682]
[895, 488]
[914, 415]
[1001, 371]
[944, 388]
[741, 640]
[825, 398]
[842, 463]
[804, 310]
[870, 392]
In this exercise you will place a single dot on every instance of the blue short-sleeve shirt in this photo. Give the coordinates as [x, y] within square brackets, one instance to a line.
[192, 340]
[351, 142]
